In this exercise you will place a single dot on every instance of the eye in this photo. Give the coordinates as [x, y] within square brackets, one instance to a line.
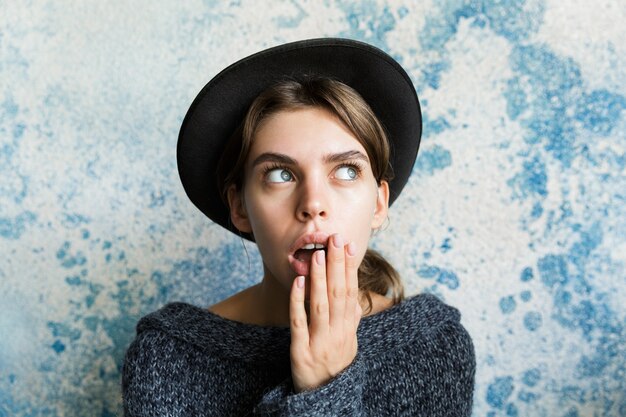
[278, 175]
[347, 172]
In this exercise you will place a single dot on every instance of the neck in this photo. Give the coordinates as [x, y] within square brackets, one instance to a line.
[272, 301]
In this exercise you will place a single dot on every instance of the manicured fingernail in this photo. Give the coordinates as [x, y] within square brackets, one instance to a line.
[300, 281]
[319, 257]
[351, 249]
[337, 241]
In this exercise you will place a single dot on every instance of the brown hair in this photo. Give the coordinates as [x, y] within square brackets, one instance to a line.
[375, 273]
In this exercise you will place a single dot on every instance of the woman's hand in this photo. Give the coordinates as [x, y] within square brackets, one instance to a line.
[322, 349]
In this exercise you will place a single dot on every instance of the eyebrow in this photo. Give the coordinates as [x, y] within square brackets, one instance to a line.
[328, 158]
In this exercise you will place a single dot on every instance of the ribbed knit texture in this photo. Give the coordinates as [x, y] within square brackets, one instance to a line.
[414, 359]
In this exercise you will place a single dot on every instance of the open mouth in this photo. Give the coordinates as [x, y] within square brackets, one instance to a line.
[305, 253]
[303, 249]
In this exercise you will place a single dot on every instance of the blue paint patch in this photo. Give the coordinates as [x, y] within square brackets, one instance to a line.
[62, 251]
[532, 320]
[18, 131]
[588, 317]
[293, 21]
[72, 221]
[537, 210]
[531, 377]
[9, 108]
[553, 270]
[571, 413]
[562, 298]
[532, 181]
[591, 366]
[445, 245]
[368, 22]
[549, 121]
[14, 228]
[205, 273]
[442, 276]
[546, 71]
[383, 23]
[402, 12]
[527, 274]
[434, 159]
[434, 127]
[449, 279]
[507, 304]
[157, 199]
[516, 100]
[64, 330]
[513, 19]
[74, 281]
[93, 290]
[431, 73]
[58, 346]
[525, 296]
[511, 410]
[439, 29]
[527, 397]
[600, 111]
[70, 261]
[499, 391]
[590, 240]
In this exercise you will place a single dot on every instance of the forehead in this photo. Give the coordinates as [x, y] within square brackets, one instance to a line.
[304, 132]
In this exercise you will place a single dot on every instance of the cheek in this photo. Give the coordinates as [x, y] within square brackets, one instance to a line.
[356, 219]
[266, 216]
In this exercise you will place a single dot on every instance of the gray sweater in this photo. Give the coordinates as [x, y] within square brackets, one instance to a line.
[414, 359]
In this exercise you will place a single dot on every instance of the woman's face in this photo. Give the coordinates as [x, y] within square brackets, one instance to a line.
[306, 178]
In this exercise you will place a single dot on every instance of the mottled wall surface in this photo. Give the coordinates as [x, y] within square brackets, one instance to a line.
[515, 212]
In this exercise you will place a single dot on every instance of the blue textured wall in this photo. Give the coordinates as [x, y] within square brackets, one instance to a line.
[515, 212]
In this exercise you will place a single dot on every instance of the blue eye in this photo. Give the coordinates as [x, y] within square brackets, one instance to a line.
[347, 172]
[279, 175]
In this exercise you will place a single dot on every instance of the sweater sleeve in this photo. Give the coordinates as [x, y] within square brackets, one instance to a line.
[140, 391]
[450, 386]
[341, 396]
[432, 377]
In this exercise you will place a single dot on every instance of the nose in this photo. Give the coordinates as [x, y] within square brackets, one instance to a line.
[313, 203]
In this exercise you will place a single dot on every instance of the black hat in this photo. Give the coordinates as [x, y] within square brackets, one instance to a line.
[222, 104]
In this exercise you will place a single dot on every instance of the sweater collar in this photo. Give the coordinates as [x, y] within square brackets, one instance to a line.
[403, 323]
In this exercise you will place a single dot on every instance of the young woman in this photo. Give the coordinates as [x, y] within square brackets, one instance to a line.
[302, 148]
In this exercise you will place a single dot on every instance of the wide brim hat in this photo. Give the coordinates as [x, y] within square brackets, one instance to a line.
[222, 104]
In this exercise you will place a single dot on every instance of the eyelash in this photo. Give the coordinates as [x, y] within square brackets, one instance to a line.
[350, 164]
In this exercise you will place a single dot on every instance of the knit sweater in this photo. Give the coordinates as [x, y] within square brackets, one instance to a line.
[413, 359]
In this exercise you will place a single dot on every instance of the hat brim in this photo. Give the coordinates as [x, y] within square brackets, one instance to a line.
[222, 104]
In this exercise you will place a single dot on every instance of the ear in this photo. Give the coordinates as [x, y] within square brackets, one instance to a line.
[238, 213]
[382, 205]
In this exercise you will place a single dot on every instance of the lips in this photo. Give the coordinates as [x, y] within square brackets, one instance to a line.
[302, 249]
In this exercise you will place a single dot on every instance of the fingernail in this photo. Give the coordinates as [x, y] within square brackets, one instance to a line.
[319, 257]
[351, 249]
[300, 281]
[337, 241]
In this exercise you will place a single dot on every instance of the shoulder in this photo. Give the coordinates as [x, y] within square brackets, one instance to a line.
[418, 353]
[417, 316]
[160, 335]
[162, 357]
[435, 324]
[439, 364]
